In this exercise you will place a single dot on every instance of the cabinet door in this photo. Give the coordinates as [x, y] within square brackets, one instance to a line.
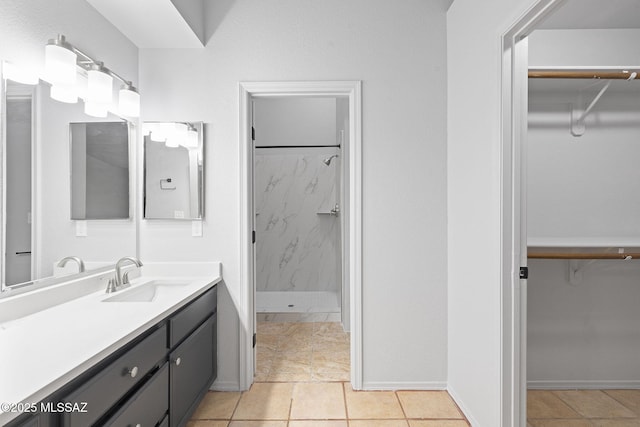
[148, 406]
[191, 372]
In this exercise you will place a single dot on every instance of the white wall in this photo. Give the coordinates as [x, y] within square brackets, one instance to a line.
[584, 334]
[297, 121]
[25, 28]
[398, 51]
[474, 31]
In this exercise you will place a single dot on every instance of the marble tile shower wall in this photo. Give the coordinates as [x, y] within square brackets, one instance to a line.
[296, 249]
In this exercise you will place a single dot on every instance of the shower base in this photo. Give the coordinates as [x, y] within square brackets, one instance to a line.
[297, 302]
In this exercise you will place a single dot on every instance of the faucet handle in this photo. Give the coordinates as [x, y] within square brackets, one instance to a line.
[125, 278]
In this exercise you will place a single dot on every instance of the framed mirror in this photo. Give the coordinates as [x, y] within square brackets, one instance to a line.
[99, 170]
[173, 170]
[37, 229]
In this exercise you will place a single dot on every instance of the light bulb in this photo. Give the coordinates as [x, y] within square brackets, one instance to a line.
[129, 101]
[64, 93]
[99, 85]
[95, 110]
[60, 62]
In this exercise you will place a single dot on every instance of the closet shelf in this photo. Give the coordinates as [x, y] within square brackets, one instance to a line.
[583, 255]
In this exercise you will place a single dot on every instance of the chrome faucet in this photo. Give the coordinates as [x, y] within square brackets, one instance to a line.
[64, 261]
[122, 280]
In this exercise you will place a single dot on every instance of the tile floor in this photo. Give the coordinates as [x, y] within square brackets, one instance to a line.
[583, 408]
[302, 380]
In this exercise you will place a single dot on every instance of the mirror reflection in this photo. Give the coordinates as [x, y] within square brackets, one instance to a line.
[99, 170]
[173, 170]
[38, 231]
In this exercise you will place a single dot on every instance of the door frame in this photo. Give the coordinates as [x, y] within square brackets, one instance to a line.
[514, 100]
[249, 90]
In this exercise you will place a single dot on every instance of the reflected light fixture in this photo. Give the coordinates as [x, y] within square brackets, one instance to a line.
[19, 74]
[192, 137]
[64, 93]
[60, 62]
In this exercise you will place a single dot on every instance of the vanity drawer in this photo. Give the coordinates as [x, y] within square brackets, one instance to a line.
[190, 317]
[104, 389]
[148, 406]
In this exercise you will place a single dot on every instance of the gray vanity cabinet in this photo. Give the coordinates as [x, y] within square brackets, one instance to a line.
[104, 390]
[158, 379]
[193, 364]
[148, 406]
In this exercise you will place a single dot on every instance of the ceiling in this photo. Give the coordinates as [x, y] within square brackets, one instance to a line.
[594, 14]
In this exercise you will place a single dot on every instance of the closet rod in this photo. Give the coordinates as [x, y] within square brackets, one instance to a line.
[298, 146]
[582, 255]
[576, 74]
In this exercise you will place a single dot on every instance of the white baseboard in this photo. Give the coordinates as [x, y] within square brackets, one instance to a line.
[428, 385]
[463, 407]
[225, 386]
[583, 385]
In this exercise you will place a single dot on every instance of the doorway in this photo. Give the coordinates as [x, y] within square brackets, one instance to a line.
[519, 241]
[347, 97]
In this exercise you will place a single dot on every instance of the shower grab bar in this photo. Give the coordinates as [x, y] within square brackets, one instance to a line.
[335, 211]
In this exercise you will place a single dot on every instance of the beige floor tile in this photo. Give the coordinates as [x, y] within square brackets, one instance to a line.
[545, 404]
[267, 342]
[276, 376]
[292, 366]
[320, 328]
[298, 328]
[271, 328]
[428, 404]
[372, 404]
[217, 405]
[594, 404]
[258, 424]
[318, 402]
[330, 376]
[265, 401]
[616, 422]
[561, 423]
[206, 423]
[261, 377]
[318, 423]
[629, 398]
[325, 362]
[378, 423]
[331, 347]
[295, 343]
[438, 423]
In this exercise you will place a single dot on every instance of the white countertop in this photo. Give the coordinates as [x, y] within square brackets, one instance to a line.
[43, 351]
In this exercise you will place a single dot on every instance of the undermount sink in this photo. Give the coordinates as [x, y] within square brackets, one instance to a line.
[145, 292]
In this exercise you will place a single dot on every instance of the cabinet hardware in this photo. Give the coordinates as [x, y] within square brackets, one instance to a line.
[177, 361]
[133, 372]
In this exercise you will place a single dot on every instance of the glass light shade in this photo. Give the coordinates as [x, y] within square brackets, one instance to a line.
[95, 110]
[65, 94]
[60, 65]
[129, 102]
[99, 87]
[192, 139]
[19, 74]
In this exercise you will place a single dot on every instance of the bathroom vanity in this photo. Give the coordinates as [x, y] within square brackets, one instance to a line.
[143, 356]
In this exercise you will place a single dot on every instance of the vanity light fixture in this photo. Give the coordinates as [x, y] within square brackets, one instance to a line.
[62, 60]
[129, 100]
[64, 93]
[99, 85]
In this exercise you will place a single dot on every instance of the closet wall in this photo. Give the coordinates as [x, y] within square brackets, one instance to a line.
[584, 189]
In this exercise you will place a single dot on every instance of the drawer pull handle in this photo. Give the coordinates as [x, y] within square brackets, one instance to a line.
[133, 372]
[177, 361]
[138, 425]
